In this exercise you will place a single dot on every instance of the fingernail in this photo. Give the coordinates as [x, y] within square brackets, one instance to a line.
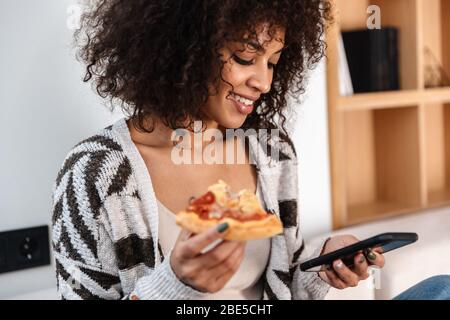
[371, 256]
[222, 227]
[339, 265]
[362, 259]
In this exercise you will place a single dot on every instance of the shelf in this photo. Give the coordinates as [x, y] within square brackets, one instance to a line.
[377, 210]
[401, 14]
[435, 95]
[435, 35]
[437, 150]
[439, 197]
[393, 99]
[382, 161]
[390, 151]
[377, 100]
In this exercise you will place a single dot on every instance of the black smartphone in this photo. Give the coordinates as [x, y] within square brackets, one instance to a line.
[382, 243]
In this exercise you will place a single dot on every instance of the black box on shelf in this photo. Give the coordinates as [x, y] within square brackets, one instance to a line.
[373, 59]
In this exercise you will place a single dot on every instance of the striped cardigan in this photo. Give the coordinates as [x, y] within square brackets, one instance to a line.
[105, 225]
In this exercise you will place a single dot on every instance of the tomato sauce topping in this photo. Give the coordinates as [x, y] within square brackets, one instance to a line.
[203, 206]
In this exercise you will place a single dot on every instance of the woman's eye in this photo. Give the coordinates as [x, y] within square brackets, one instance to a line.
[241, 61]
[248, 63]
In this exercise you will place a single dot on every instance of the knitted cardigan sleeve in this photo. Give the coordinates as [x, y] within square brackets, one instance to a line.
[303, 285]
[308, 285]
[86, 255]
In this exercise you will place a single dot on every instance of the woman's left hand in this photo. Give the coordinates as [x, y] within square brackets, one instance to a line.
[340, 276]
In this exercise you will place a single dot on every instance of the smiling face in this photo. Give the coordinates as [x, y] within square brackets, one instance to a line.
[249, 68]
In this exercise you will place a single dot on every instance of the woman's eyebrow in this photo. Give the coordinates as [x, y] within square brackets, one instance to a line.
[259, 47]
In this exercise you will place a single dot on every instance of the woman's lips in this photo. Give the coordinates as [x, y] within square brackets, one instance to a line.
[242, 108]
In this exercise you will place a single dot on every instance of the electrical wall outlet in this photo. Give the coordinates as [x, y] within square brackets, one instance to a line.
[24, 248]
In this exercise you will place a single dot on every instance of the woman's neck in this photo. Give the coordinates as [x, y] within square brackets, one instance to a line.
[162, 135]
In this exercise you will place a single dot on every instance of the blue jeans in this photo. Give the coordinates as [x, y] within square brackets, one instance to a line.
[434, 288]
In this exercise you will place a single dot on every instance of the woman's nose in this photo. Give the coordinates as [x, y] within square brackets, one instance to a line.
[261, 79]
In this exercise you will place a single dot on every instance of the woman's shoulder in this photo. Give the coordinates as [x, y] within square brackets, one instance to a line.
[98, 165]
[95, 179]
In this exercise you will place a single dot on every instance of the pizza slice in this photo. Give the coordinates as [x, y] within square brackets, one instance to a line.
[242, 210]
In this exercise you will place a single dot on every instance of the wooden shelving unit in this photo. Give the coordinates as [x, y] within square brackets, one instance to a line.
[390, 151]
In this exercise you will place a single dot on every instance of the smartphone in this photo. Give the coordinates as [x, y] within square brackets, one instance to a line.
[382, 243]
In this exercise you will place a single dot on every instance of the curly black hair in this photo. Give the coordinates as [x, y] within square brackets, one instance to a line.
[160, 57]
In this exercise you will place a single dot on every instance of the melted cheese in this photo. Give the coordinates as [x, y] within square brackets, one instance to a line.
[245, 201]
[220, 191]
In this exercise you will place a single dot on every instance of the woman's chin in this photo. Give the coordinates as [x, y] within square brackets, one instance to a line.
[232, 119]
[234, 123]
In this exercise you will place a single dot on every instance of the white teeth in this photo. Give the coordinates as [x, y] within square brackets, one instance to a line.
[242, 99]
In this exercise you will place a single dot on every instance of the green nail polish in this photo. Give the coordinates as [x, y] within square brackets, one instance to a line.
[222, 227]
[362, 259]
[372, 256]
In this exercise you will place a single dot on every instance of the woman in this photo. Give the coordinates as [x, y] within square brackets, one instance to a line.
[228, 64]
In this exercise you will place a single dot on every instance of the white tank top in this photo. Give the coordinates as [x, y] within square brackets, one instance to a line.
[246, 283]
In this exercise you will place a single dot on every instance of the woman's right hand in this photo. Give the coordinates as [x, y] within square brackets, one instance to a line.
[209, 271]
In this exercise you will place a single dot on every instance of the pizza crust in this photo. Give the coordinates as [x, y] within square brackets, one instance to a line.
[238, 230]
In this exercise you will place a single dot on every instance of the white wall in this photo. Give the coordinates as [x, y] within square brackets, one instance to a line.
[311, 140]
[45, 109]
